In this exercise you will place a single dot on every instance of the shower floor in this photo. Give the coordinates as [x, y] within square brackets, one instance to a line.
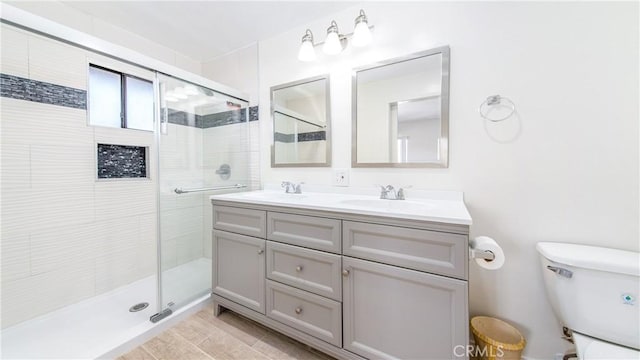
[96, 326]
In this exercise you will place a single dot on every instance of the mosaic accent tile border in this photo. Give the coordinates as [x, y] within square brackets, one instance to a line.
[16, 87]
[309, 136]
[121, 161]
[182, 118]
[212, 120]
[253, 113]
[20, 88]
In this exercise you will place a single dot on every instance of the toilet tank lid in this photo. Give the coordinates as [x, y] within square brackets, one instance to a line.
[592, 257]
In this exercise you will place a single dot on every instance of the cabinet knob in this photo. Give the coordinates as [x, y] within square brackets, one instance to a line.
[260, 251]
[345, 272]
[299, 268]
[298, 310]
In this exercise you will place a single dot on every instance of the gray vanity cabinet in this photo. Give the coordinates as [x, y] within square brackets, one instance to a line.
[395, 313]
[354, 286]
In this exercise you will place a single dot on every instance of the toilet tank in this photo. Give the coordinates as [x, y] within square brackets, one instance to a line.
[593, 290]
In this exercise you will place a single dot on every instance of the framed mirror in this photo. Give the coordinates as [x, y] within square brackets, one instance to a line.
[400, 111]
[301, 123]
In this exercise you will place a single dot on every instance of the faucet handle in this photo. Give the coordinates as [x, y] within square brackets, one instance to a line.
[298, 188]
[384, 191]
[287, 185]
[400, 193]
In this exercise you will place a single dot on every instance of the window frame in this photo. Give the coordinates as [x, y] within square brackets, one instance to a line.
[123, 94]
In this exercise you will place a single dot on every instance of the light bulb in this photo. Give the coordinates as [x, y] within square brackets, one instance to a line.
[332, 44]
[307, 52]
[361, 35]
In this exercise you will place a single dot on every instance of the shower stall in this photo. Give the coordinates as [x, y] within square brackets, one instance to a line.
[92, 264]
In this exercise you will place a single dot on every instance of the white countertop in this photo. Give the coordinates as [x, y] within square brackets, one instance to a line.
[437, 206]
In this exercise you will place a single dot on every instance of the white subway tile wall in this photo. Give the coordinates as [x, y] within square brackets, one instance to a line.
[15, 61]
[65, 236]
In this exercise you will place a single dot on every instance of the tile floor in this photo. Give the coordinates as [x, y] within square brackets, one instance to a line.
[229, 336]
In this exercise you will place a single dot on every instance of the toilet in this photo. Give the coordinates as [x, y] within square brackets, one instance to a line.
[595, 291]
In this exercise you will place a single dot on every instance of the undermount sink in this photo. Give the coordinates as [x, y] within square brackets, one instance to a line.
[382, 204]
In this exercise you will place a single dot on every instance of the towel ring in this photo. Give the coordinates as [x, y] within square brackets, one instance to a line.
[496, 100]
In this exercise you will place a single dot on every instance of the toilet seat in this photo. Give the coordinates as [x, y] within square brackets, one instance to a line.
[589, 348]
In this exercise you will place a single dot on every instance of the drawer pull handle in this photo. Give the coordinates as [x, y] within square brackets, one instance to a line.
[260, 251]
[298, 310]
[345, 272]
[299, 268]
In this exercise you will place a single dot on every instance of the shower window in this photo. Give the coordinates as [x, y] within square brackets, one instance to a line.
[119, 100]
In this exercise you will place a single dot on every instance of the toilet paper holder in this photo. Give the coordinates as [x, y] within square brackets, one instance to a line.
[481, 254]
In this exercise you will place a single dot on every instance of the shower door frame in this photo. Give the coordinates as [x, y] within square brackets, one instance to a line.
[162, 309]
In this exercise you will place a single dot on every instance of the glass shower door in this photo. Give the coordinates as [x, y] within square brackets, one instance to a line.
[203, 140]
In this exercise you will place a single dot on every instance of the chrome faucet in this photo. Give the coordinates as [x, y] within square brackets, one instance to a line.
[389, 193]
[292, 188]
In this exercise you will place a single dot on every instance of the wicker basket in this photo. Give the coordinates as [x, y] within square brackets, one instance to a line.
[496, 339]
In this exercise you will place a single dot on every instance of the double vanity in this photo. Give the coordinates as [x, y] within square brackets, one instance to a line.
[354, 276]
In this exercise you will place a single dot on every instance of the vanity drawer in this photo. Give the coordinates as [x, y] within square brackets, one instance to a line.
[309, 313]
[240, 221]
[311, 270]
[430, 251]
[307, 231]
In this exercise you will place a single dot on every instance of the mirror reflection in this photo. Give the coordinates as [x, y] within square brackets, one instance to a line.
[301, 135]
[400, 112]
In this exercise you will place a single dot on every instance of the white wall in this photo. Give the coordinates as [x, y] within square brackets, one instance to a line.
[564, 169]
[238, 70]
[69, 16]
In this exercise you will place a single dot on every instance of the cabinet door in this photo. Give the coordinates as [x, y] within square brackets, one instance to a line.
[239, 269]
[395, 313]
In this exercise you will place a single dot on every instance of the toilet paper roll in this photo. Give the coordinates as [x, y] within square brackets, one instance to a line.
[484, 243]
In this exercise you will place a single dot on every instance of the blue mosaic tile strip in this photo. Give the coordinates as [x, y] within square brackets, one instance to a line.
[224, 118]
[182, 118]
[253, 113]
[121, 161]
[283, 138]
[312, 136]
[212, 120]
[16, 87]
[309, 136]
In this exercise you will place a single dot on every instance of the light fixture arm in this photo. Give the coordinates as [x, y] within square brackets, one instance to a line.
[308, 36]
[362, 18]
[342, 36]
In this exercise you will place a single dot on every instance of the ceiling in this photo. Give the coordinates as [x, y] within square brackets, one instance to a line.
[204, 30]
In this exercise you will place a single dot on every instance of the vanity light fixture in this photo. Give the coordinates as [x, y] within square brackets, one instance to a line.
[307, 53]
[361, 33]
[335, 42]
